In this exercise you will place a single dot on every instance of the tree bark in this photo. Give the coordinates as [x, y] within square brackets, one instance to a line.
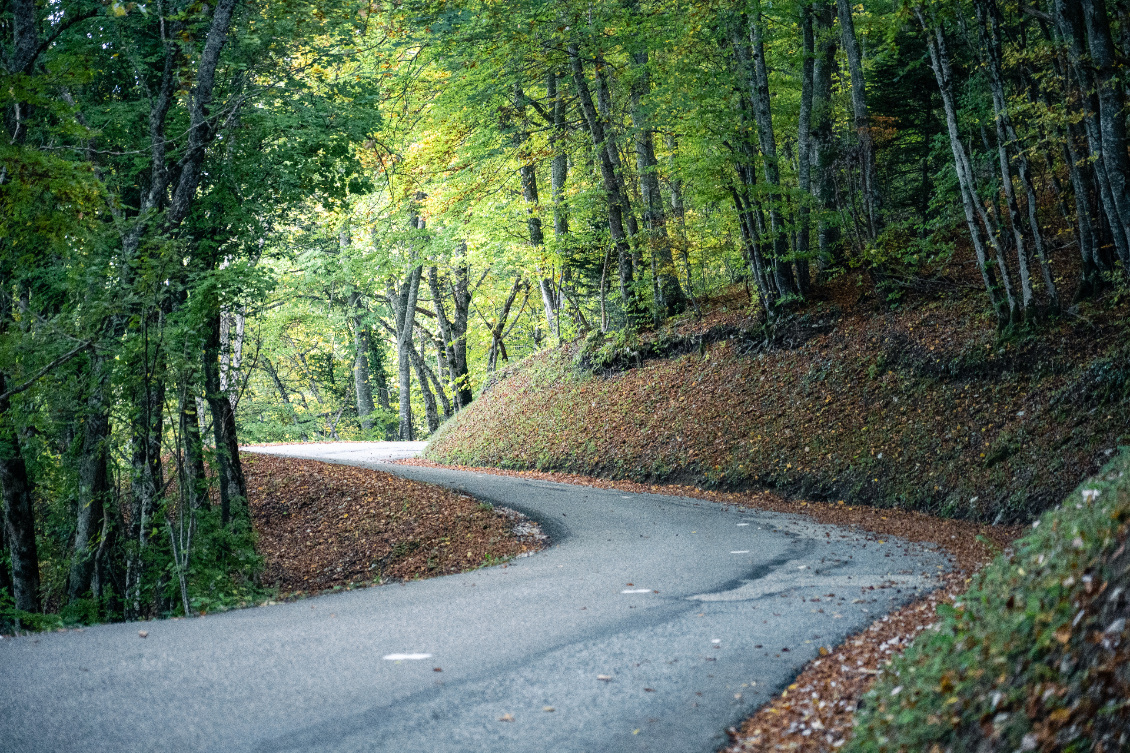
[362, 388]
[823, 141]
[1069, 22]
[498, 328]
[233, 487]
[527, 172]
[19, 515]
[1112, 118]
[870, 173]
[804, 146]
[611, 190]
[93, 487]
[431, 414]
[767, 140]
[991, 44]
[454, 330]
[939, 61]
[671, 299]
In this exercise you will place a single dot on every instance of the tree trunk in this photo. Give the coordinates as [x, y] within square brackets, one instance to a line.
[362, 388]
[498, 328]
[19, 515]
[939, 61]
[93, 486]
[870, 174]
[823, 142]
[527, 171]
[804, 146]
[991, 44]
[559, 166]
[1112, 119]
[193, 449]
[454, 330]
[611, 190]
[1070, 23]
[767, 139]
[233, 487]
[671, 300]
[405, 310]
[146, 473]
[431, 414]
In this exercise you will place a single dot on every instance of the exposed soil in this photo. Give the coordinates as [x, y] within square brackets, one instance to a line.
[322, 526]
[816, 712]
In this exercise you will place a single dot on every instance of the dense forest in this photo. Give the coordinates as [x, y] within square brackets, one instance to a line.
[231, 221]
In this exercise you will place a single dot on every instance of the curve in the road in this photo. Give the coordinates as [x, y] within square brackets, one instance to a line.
[651, 624]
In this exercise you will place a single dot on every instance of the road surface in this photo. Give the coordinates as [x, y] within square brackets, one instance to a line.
[652, 623]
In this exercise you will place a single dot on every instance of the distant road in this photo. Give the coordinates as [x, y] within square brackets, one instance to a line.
[651, 624]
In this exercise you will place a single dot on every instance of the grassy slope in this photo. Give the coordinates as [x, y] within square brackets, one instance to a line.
[922, 408]
[1036, 655]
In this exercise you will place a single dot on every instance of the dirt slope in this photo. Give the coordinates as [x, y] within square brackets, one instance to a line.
[923, 408]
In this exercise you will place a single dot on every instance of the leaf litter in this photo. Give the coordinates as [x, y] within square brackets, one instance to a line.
[322, 526]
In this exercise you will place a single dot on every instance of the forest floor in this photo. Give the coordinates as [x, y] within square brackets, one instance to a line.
[325, 527]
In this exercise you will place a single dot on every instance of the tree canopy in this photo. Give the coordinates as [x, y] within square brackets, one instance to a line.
[228, 222]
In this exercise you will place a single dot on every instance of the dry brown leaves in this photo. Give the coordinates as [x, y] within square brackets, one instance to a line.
[322, 526]
[816, 712]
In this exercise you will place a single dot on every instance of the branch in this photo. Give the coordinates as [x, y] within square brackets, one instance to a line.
[41, 373]
[66, 24]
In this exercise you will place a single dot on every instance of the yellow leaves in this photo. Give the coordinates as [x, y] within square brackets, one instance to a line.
[1063, 635]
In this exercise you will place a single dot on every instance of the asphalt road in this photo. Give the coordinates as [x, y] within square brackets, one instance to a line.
[652, 623]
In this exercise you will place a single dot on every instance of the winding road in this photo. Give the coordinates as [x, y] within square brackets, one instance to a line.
[652, 623]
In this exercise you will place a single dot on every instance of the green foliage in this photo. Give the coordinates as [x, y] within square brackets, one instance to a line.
[1019, 647]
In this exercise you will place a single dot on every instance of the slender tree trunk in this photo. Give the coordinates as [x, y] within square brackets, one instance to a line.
[939, 61]
[362, 388]
[147, 474]
[431, 414]
[870, 174]
[804, 146]
[1112, 119]
[19, 515]
[498, 328]
[527, 171]
[671, 300]
[454, 330]
[990, 42]
[559, 166]
[93, 486]
[611, 190]
[405, 311]
[193, 449]
[611, 145]
[1070, 23]
[823, 142]
[233, 487]
[759, 95]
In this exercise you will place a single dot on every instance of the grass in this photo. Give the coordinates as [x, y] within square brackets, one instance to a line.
[1035, 655]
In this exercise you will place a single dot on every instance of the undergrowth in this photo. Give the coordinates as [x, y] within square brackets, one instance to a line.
[1035, 655]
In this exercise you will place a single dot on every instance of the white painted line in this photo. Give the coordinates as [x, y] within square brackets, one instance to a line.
[407, 657]
[742, 524]
[636, 591]
[740, 551]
